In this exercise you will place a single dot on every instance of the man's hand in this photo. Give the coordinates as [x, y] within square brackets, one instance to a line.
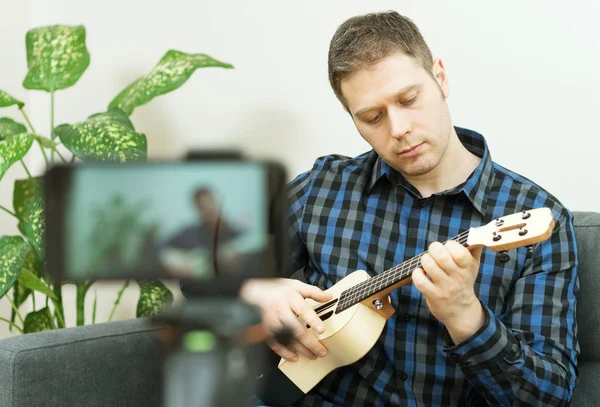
[281, 301]
[446, 279]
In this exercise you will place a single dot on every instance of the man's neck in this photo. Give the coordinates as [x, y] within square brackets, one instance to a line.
[454, 168]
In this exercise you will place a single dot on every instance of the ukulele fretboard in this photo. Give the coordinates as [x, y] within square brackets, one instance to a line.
[388, 278]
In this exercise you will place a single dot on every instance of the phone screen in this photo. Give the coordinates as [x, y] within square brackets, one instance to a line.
[187, 220]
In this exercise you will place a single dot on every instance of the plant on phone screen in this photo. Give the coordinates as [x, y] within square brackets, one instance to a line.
[57, 57]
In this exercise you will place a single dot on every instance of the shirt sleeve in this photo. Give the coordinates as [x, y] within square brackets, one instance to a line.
[528, 355]
[297, 193]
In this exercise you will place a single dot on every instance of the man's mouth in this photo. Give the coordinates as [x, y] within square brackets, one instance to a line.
[411, 151]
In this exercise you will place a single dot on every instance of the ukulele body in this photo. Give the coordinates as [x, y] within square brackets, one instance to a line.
[348, 336]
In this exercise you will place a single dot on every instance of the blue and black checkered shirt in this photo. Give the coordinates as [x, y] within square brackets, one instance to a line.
[358, 213]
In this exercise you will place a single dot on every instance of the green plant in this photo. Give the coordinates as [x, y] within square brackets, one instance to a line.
[57, 57]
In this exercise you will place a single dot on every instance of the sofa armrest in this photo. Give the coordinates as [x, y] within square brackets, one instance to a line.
[109, 364]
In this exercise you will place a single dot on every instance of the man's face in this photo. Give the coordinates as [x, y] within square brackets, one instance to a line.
[400, 110]
[207, 207]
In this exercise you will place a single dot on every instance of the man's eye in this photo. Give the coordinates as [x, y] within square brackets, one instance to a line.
[374, 119]
[409, 102]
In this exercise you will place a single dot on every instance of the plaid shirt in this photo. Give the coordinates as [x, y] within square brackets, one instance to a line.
[358, 213]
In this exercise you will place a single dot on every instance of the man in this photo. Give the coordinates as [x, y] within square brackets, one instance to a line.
[193, 250]
[473, 328]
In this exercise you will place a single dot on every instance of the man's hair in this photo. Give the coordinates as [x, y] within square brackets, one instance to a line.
[365, 40]
[200, 192]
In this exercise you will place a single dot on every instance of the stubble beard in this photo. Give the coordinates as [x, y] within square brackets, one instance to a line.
[432, 159]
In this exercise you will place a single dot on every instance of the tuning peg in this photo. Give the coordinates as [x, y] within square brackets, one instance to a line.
[503, 257]
[525, 215]
[529, 252]
[499, 222]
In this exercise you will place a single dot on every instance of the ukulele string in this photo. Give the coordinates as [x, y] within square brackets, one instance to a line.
[406, 267]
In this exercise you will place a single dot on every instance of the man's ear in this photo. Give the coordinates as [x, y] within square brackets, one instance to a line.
[439, 74]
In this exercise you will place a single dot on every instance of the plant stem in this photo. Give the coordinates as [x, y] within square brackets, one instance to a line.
[27, 119]
[119, 295]
[44, 153]
[52, 321]
[80, 302]
[94, 307]
[15, 308]
[59, 317]
[26, 170]
[60, 155]
[33, 131]
[58, 308]
[52, 112]
[8, 211]
[12, 324]
[51, 123]
[33, 299]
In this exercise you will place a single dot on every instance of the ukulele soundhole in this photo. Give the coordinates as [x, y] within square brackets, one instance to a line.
[323, 317]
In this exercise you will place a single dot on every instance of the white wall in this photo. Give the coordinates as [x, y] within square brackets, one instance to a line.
[521, 72]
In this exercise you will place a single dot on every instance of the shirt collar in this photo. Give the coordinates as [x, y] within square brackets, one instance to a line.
[475, 187]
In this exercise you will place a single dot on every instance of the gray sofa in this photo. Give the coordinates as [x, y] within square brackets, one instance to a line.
[115, 364]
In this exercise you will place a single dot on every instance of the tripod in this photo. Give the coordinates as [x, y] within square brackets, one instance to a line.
[207, 364]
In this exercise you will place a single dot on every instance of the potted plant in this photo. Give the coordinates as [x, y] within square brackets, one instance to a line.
[57, 57]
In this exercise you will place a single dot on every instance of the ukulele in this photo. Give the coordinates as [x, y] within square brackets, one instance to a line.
[355, 317]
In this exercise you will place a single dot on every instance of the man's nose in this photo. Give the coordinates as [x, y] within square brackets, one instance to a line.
[400, 123]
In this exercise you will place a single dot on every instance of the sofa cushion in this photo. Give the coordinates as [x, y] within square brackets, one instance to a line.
[587, 231]
[109, 364]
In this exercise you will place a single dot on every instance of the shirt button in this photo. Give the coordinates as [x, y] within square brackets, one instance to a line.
[454, 356]
[404, 376]
[421, 203]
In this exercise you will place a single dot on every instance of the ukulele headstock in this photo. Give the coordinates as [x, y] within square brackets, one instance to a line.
[517, 230]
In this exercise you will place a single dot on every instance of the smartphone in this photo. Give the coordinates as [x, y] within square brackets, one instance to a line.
[210, 223]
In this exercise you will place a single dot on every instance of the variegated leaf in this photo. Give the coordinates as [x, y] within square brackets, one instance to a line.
[154, 297]
[33, 264]
[13, 251]
[9, 127]
[20, 292]
[28, 203]
[31, 281]
[106, 136]
[171, 72]
[56, 57]
[13, 149]
[25, 191]
[38, 321]
[7, 100]
[20, 295]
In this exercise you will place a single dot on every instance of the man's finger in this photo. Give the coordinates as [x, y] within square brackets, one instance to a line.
[299, 348]
[304, 336]
[476, 252]
[443, 258]
[433, 270]
[461, 255]
[422, 283]
[311, 291]
[282, 351]
[302, 308]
